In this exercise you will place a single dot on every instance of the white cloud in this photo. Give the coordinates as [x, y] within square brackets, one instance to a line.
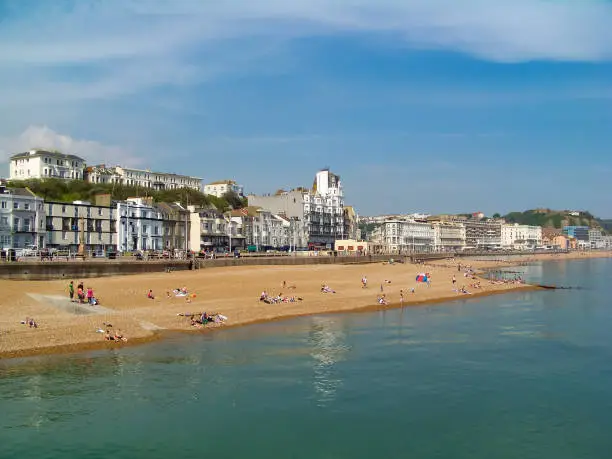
[98, 50]
[42, 137]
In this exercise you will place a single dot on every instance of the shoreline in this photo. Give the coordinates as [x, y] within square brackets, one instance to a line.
[72, 333]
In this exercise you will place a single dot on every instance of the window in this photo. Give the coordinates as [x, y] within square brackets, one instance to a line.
[3, 205]
[64, 209]
[15, 224]
[26, 206]
[15, 205]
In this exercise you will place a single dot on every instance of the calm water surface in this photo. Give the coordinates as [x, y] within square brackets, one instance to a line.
[526, 375]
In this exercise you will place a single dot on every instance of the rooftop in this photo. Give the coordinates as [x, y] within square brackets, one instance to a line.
[53, 154]
[223, 182]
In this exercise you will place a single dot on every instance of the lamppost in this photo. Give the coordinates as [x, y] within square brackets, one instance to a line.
[229, 228]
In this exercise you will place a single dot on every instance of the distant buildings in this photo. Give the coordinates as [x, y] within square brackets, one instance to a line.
[42, 164]
[222, 187]
[398, 236]
[519, 237]
[483, 234]
[581, 233]
[141, 178]
[448, 236]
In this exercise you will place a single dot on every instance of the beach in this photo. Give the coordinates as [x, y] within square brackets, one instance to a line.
[233, 292]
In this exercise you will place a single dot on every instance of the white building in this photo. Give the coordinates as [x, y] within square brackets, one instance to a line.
[398, 236]
[515, 236]
[41, 164]
[22, 219]
[222, 187]
[139, 225]
[596, 238]
[319, 211]
[448, 236]
[141, 178]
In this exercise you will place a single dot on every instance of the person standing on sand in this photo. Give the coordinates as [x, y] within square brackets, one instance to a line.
[364, 282]
[454, 280]
[401, 297]
[71, 291]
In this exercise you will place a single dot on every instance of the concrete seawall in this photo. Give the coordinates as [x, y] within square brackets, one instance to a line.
[48, 270]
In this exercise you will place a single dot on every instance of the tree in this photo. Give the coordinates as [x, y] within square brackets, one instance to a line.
[232, 198]
[496, 215]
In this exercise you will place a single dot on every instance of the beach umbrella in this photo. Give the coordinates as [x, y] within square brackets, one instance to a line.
[422, 277]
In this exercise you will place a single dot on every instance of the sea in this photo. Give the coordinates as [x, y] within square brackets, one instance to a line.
[521, 375]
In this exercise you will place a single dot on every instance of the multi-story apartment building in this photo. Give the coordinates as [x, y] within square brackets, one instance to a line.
[210, 230]
[139, 225]
[483, 233]
[222, 187]
[175, 221]
[596, 238]
[515, 236]
[81, 226]
[448, 236]
[319, 210]
[141, 178]
[581, 233]
[42, 164]
[21, 219]
[263, 230]
[398, 236]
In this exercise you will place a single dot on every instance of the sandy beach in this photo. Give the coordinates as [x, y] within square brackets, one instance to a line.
[233, 292]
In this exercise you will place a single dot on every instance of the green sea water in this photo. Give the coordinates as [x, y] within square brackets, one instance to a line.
[523, 375]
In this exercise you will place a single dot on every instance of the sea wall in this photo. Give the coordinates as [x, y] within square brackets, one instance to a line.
[47, 270]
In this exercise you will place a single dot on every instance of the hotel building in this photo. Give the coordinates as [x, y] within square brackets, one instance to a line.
[42, 164]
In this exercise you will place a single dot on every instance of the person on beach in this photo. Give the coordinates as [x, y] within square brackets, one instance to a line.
[150, 295]
[71, 291]
[381, 288]
[454, 280]
[364, 282]
[401, 297]
[90, 295]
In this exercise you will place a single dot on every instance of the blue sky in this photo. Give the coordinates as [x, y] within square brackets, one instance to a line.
[430, 105]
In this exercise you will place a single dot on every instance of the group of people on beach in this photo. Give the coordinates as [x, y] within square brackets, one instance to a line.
[274, 299]
[30, 322]
[201, 319]
[83, 296]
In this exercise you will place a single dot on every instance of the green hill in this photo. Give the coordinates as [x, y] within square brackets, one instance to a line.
[548, 218]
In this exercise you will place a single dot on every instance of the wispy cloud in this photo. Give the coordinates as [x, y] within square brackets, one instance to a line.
[138, 44]
[45, 138]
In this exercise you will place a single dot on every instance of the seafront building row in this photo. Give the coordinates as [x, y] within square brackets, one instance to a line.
[450, 234]
[298, 219]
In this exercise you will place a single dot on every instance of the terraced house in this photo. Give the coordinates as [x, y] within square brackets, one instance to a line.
[21, 219]
[81, 224]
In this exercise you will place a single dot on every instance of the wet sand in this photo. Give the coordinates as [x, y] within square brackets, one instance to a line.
[233, 292]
